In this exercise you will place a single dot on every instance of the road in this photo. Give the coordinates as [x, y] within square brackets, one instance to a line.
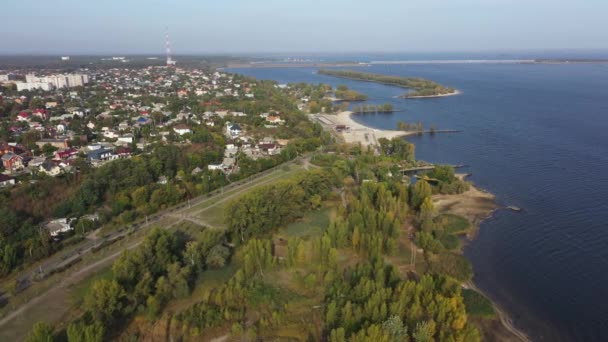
[66, 258]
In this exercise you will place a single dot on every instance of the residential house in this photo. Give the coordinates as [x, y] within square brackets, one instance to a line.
[111, 134]
[49, 168]
[182, 129]
[233, 130]
[123, 126]
[41, 113]
[65, 154]
[99, 155]
[23, 116]
[125, 139]
[36, 162]
[12, 162]
[58, 226]
[122, 152]
[270, 149]
[57, 143]
[231, 150]
[275, 119]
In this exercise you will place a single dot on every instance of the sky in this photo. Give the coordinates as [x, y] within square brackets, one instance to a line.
[313, 26]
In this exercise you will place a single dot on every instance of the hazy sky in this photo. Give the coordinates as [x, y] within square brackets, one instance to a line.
[240, 26]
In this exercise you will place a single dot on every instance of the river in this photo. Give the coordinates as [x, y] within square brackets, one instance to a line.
[536, 135]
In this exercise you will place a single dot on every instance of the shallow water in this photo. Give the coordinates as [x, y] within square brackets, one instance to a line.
[537, 137]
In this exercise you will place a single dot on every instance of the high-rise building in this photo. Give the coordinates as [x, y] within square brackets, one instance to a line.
[52, 82]
[34, 85]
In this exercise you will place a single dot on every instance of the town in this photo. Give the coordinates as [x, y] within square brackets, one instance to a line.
[63, 125]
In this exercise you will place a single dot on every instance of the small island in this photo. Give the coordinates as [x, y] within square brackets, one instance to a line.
[420, 87]
[381, 108]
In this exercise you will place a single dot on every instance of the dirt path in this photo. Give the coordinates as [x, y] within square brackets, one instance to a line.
[60, 290]
[503, 317]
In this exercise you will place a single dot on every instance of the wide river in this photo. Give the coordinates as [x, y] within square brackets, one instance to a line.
[536, 136]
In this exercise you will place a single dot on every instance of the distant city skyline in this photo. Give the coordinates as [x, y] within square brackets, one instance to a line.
[314, 26]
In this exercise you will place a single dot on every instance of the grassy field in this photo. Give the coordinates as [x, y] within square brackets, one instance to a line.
[313, 223]
[78, 291]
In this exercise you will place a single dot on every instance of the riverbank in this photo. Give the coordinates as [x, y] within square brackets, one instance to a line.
[454, 93]
[353, 132]
[477, 205]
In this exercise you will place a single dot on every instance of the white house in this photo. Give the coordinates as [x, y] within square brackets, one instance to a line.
[126, 139]
[58, 226]
[182, 129]
[233, 130]
[110, 134]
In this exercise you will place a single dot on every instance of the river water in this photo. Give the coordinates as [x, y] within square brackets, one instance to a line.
[536, 135]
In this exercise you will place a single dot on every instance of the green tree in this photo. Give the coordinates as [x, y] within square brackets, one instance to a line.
[41, 332]
[420, 191]
[424, 332]
[82, 332]
[106, 300]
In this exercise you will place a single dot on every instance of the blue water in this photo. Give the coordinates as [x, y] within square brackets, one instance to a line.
[537, 137]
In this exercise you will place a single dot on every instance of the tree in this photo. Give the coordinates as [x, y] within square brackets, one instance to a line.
[424, 331]
[48, 149]
[217, 256]
[396, 329]
[82, 332]
[105, 301]
[41, 332]
[427, 212]
[420, 191]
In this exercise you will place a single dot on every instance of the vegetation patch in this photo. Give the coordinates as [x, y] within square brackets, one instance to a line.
[477, 304]
[313, 223]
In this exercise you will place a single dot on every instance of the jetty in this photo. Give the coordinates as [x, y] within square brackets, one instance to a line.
[351, 132]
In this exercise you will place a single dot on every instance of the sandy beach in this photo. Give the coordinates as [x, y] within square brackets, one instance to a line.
[356, 132]
[456, 92]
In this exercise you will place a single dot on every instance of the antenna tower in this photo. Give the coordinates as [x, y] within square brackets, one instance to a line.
[170, 61]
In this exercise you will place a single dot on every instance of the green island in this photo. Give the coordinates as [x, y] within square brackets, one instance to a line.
[381, 108]
[420, 87]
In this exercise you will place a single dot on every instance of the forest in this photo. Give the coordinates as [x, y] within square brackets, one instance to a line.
[352, 281]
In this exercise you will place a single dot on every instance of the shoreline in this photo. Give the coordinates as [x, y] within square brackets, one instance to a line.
[356, 132]
[454, 93]
[478, 207]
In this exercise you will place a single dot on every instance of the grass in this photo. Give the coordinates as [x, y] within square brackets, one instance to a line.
[454, 224]
[312, 224]
[452, 264]
[79, 291]
[477, 304]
